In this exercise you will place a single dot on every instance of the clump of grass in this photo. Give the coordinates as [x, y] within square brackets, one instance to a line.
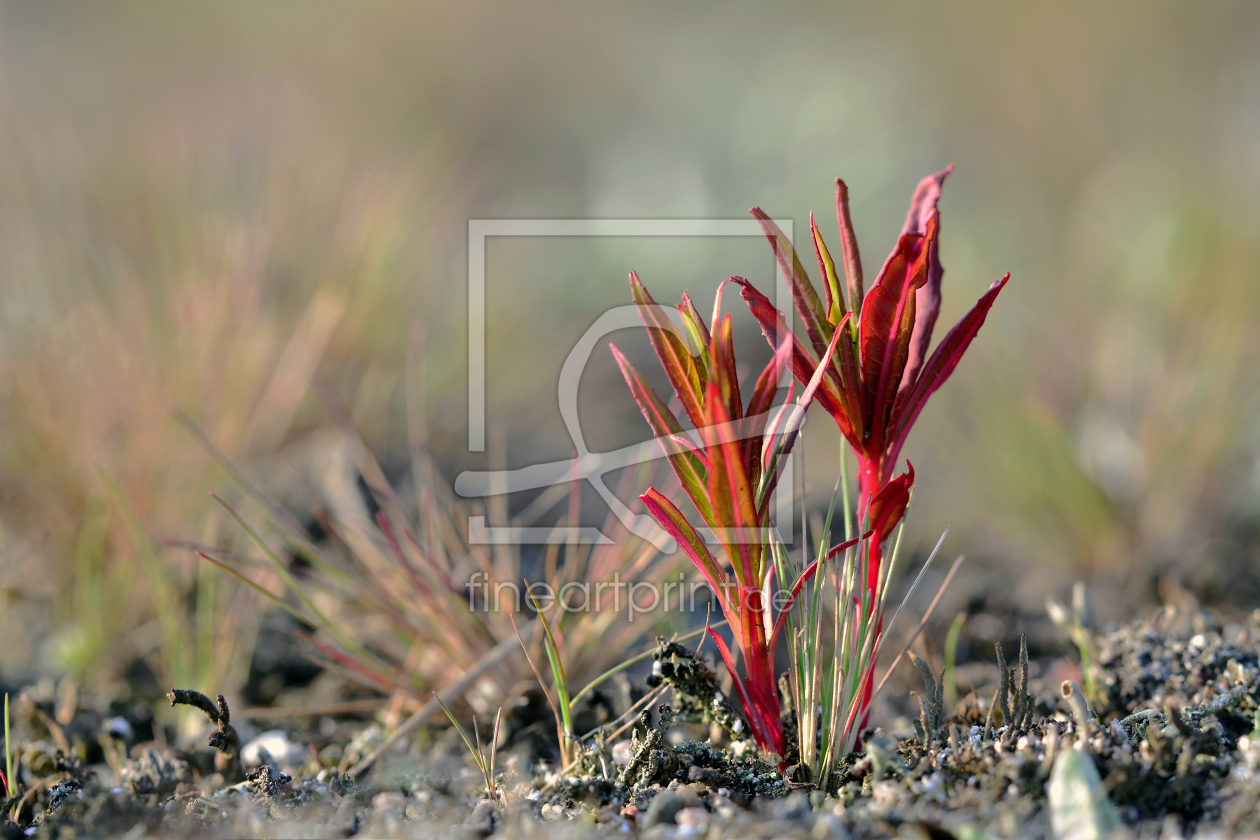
[836, 633]
[406, 602]
[485, 763]
[561, 705]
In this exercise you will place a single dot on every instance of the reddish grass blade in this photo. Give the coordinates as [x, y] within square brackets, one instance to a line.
[382, 522]
[801, 581]
[347, 661]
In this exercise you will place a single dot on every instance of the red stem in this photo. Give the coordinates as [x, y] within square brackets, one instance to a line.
[759, 662]
[870, 472]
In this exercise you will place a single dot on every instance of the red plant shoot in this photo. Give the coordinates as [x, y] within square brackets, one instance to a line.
[880, 376]
[729, 476]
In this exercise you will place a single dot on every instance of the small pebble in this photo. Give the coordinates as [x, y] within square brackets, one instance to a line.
[662, 809]
[692, 821]
[690, 798]
[283, 750]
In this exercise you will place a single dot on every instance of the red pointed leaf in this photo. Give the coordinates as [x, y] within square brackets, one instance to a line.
[691, 470]
[889, 504]
[887, 321]
[691, 316]
[767, 386]
[683, 372]
[761, 705]
[738, 681]
[758, 413]
[848, 373]
[938, 368]
[797, 418]
[804, 297]
[671, 519]
[927, 298]
[731, 493]
[878, 311]
[849, 249]
[802, 362]
[722, 353]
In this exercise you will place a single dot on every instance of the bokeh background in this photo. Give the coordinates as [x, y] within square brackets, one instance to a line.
[257, 214]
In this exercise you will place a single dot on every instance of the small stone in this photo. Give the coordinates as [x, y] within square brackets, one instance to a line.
[551, 813]
[284, 751]
[389, 801]
[607, 814]
[690, 798]
[663, 808]
[482, 818]
[209, 784]
[692, 820]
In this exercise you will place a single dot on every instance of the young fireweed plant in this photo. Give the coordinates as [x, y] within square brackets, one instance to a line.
[879, 376]
[729, 475]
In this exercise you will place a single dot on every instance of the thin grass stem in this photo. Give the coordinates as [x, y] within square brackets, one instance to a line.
[10, 783]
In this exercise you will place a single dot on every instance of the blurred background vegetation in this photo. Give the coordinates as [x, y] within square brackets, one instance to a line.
[257, 214]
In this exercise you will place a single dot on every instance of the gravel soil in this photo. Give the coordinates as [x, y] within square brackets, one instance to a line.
[1166, 746]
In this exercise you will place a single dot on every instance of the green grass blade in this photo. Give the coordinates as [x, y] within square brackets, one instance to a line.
[919, 578]
[295, 587]
[261, 590]
[634, 660]
[462, 734]
[951, 659]
[557, 667]
[165, 598]
[10, 782]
